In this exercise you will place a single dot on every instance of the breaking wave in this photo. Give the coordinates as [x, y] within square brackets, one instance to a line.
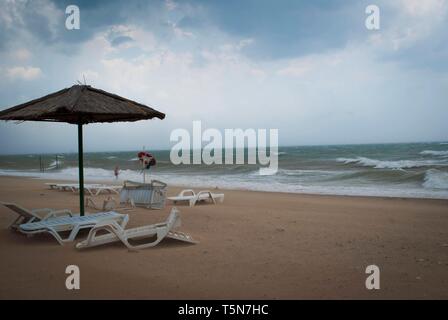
[390, 164]
[436, 179]
[443, 153]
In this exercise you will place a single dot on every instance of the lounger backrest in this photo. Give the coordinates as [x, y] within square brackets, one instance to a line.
[173, 220]
[19, 210]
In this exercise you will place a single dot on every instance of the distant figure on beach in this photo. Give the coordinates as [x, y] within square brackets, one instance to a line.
[116, 172]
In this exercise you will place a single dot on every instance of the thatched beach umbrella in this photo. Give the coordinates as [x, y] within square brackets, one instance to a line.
[80, 104]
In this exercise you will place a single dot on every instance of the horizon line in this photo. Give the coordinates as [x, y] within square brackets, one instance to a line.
[280, 146]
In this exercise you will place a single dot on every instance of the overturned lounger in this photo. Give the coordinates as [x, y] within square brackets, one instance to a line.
[192, 197]
[27, 216]
[150, 195]
[73, 224]
[115, 233]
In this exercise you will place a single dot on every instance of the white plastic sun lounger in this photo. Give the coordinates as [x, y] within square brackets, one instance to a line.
[92, 189]
[64, 186]
[192, 197]
[27, 216]
[73, 224]
[115, 233]
[52, 185]
[96, 189]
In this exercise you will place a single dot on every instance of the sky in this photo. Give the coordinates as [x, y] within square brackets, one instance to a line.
[310, 69]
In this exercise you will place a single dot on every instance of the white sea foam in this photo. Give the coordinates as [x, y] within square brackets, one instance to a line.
[111, 157]
[133, 159]
[300, 172]
[435, 185]
[443, 153]
[436, 179]
[391, 164]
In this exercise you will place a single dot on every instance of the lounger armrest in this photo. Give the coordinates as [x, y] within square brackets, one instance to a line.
[207, 192]
[108, 223]
[158, 183]
[41, 210]
[183, 192]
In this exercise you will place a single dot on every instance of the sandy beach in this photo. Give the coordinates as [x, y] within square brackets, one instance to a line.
[256, 245]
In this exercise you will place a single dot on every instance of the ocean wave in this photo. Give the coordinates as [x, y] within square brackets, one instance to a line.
[111, 157]
[133, 159]
[281, 153]
[443, 153]
[304, 172]
[436, 179]
[390, 164]
[435, 184]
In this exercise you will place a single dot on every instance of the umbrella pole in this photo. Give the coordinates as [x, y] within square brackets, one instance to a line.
[81, 170]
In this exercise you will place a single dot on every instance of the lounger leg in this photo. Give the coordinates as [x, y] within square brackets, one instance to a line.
[211, 197]
[161, 234]
[124, 221]
[92, 235]
[16, 223]
[91, 238]
[56, 236]
[73, 233]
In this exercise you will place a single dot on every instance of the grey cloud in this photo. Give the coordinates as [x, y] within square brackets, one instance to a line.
[120, 40]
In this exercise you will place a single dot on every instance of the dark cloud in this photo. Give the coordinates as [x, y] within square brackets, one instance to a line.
[283, 29]
[95, 16]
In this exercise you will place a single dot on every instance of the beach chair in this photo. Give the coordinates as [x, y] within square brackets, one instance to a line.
[92, 189]
[149, 195]
[193, 198]
[52, 185]
[110, 189]
[96, 189]
[73, 224]
[62, 186]
[115, 232]
[109, 204]
[27, 216]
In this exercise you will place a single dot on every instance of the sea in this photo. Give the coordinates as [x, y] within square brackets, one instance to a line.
[417, 170]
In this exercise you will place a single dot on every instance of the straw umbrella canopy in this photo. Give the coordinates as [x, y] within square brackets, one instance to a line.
[80, 105]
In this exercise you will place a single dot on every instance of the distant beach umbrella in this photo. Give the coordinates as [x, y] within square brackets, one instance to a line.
[81, 104]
